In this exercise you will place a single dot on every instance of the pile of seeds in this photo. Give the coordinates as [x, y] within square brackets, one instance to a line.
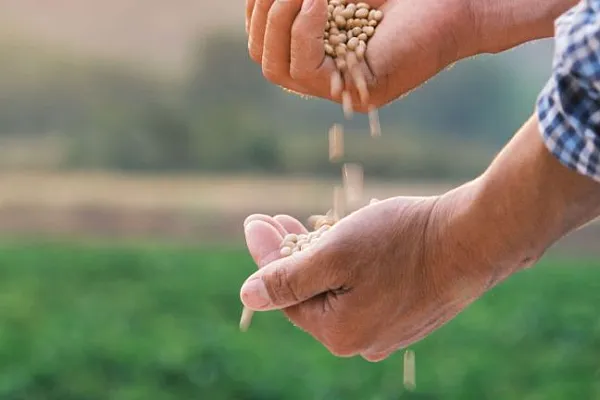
[348, 30]
[293, 243]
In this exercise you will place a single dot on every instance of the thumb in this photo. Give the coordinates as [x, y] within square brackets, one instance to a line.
[289, 281]
[307, 47]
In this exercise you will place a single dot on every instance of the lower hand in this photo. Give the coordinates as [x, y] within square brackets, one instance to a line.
[378, 281]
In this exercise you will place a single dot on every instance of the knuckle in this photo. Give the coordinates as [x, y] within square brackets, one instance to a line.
[272, 74]
[341, 351]
[254, 51]
[279, 284]
[375, 358]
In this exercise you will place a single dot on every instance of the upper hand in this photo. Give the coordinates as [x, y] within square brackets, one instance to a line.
[415, 40]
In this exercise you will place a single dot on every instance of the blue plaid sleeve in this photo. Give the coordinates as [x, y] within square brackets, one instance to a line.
[568, 107]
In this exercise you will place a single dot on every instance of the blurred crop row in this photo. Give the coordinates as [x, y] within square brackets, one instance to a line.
[61, 110]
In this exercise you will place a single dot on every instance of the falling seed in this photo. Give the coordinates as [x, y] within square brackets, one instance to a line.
[291, 238]
[313, 219]
[339, 206]
[336, 142]
[347, 105]
[246, 319]
[409, 370]
[353, 178]
[358, 77]
[337, 85]
[374, 122]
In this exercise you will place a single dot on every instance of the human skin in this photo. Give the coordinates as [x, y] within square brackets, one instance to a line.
[415, 41]
[393, 272]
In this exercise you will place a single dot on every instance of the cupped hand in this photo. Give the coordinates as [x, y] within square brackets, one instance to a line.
[381, 279]
[415, 41]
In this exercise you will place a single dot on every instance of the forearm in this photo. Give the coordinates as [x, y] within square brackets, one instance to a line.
[527, 200]
[503, 24]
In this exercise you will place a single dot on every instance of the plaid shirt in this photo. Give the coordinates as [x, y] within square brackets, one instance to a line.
[568, 108]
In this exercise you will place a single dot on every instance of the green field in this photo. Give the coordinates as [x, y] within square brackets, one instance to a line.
[156, 322]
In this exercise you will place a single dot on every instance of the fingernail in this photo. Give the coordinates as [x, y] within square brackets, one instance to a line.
[307, 5]
[255, 295]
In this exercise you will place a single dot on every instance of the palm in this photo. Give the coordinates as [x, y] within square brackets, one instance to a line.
[414, 42]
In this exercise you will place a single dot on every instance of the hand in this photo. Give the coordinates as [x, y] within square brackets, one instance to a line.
[415, 40]
[378, 281]
[391, 273]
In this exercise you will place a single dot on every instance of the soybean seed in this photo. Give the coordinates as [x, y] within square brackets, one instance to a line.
[409, 370]
[361, 49]
[286, 251]
[288, 244]
[347, 104]
[338, 202]
[348, 12]
[292, 237]
[374, 123]
[353, 44]
[337, 84]
[329, 49]
[353, 178]
[246, 319]
[340, 50]
[336, 142]
[361, 13]
[334, 40]
[369, 30]
[363, 5]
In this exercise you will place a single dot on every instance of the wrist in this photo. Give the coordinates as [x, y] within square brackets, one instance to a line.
[507, 218]
[527, 201]
[504, 24]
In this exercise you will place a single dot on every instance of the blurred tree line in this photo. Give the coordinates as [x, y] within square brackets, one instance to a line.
[224, 116]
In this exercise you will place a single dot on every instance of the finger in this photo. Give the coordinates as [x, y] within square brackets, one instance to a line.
[307, 44]
[276, 49]
[263, 242]
[269, 220]
[308, 60]
[249, 10]
[258, 24]
[291, 225]
[290, 281]
[372, 3]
